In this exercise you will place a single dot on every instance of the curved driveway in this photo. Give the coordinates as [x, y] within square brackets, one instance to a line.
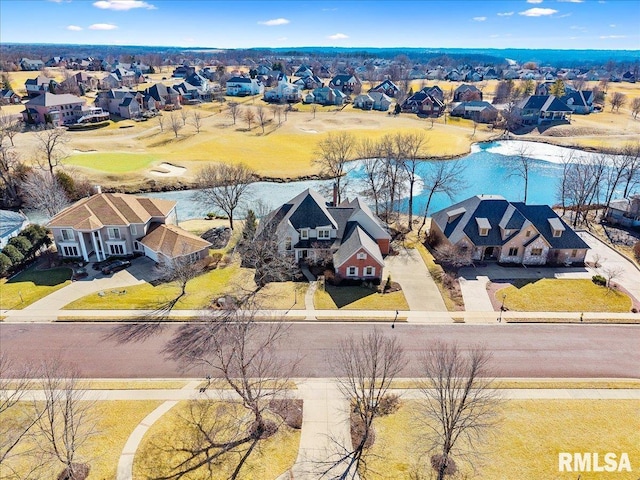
[577, 350]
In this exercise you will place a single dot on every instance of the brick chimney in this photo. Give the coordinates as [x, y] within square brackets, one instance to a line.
[335, 194]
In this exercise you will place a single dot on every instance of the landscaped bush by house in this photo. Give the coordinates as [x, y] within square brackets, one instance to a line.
[22, 244]
[599, 280]
[14, 254]
[5, 264]
[389, 404]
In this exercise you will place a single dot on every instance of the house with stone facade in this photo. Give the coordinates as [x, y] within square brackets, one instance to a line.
[347, 235]
[508, 232]
[116, 224]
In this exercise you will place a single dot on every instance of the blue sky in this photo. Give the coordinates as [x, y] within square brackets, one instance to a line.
[564, 24]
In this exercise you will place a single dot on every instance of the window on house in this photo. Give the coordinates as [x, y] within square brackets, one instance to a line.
[116, 249]
[324, 234]
[536, 252]
[574, 253]
[352, 271]
[557, 233]
[114, 233]
[513, 251]
[67, 234]
[361, 256]
[137, 246]
[134, 229]
[287, 243]
[304, 234]
[483, 232]
[369, 271]
[527, 233]
[70, 251]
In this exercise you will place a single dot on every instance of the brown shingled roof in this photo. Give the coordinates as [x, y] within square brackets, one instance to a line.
[105, 209]
[173, 242]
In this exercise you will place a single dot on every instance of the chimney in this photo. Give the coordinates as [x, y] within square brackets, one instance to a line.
[335, 194]
[97, 189]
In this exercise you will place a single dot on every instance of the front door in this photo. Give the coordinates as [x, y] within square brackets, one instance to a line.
[489, 253]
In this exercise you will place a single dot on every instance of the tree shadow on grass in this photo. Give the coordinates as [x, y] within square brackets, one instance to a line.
[44, 278]
[343, 296]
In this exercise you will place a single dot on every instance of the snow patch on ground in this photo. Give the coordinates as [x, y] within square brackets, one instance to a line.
[540, 151]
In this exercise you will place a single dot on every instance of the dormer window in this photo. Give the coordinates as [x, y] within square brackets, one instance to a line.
[304, 234]
[324, 233]
[483, 226]
[556, 227]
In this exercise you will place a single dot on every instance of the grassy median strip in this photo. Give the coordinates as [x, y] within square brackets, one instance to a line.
[524, 446]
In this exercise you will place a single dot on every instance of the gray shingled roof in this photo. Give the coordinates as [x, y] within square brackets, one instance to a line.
[355, 239]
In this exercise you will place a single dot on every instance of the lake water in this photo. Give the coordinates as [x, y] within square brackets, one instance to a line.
[488, 170]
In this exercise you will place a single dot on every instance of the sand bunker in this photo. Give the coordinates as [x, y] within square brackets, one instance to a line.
[167, 170]
[305, 130]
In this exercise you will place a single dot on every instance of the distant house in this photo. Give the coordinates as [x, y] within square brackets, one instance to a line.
[495, 229]
[387, 87]
[116, 224]
[128, 78]
[303, 71]
[629, 77]
[346, 83]
[64, 109]
[624, 211]
[579, 101]
[283, 92]
[183, 71]
[478, 111]
[372, 101]
[309, 83]
[539, 109]
[163, 95]
[81, 81]
[9, 97]
[11, 224]
[29, 64]
[110, 81]
[39, 85]
[424, 103]
[328, 96]
[349, 234]
[118, 101]
[244, 86]
[466, 93]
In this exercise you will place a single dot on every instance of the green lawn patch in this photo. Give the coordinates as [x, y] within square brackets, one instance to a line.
[524, 446]
[112, 162]
[562, 295]
[32, 285]
[358, 298]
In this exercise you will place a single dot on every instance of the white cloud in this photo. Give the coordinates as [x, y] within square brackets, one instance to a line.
[274, 22]
[564, 16]
[338, 36]
[479, 19]
[612, 36]
[103, 26]
[538, 12]
[534, 1]
[613, 25]
[74, 28]
[122, 5]
[505, 14]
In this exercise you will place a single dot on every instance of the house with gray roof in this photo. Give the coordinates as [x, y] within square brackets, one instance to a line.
[311, 229]
[539, 109]
[243, 86]
[478, 111]
[508, 232]
[11, 224]
[58, 110]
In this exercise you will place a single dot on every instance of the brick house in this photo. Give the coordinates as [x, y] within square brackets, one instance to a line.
[63, 109]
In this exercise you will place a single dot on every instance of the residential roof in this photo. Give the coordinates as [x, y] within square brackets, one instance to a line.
[52, 100]
[10, 222]
[111, 209]
[173, 242]
[354, 240]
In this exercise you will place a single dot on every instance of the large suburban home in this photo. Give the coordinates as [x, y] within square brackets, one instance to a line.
[163, 95]
[326, 96]
[9, 97]
[283, 92]
[579, 101]
[476, 110]
[243, 86]
[29, 64]
[496, 229]
[346, 83]
[310, 229]
[539, 109]
[372, 101]
[466, 93]
[64, 109]
[387, 87]
[116, 224]
[119, 101]
[39, 85]
[624, 211]
[424, 103]
[309, 83]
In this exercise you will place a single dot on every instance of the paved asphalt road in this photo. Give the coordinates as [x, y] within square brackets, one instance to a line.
[518, 350]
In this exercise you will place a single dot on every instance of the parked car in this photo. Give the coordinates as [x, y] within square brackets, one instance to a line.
[116, 266]
[79, 273]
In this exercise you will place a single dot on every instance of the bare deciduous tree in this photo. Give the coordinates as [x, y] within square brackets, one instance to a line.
[453, 255]
[12, 171]
[522, 167]
[617, 100]
[261, 115]
[50, 147]
[42, 191]
[196, 120]
[635, 108]
[249, 116]
[175, 124]
[160, 120]
[365, 367]
[374, 171]
[68, 422]
[242, 353]
[223, 186]
[234, 111]
[412, 155]
[334, 151]
[10, 125]
[184, 114]
[459, 406]
[442, 177]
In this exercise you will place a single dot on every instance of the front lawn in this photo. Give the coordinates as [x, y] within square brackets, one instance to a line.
[526, 443]
[358, 298]
[562, 295]
[200, 292]
[271, 458]
[32, 285]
